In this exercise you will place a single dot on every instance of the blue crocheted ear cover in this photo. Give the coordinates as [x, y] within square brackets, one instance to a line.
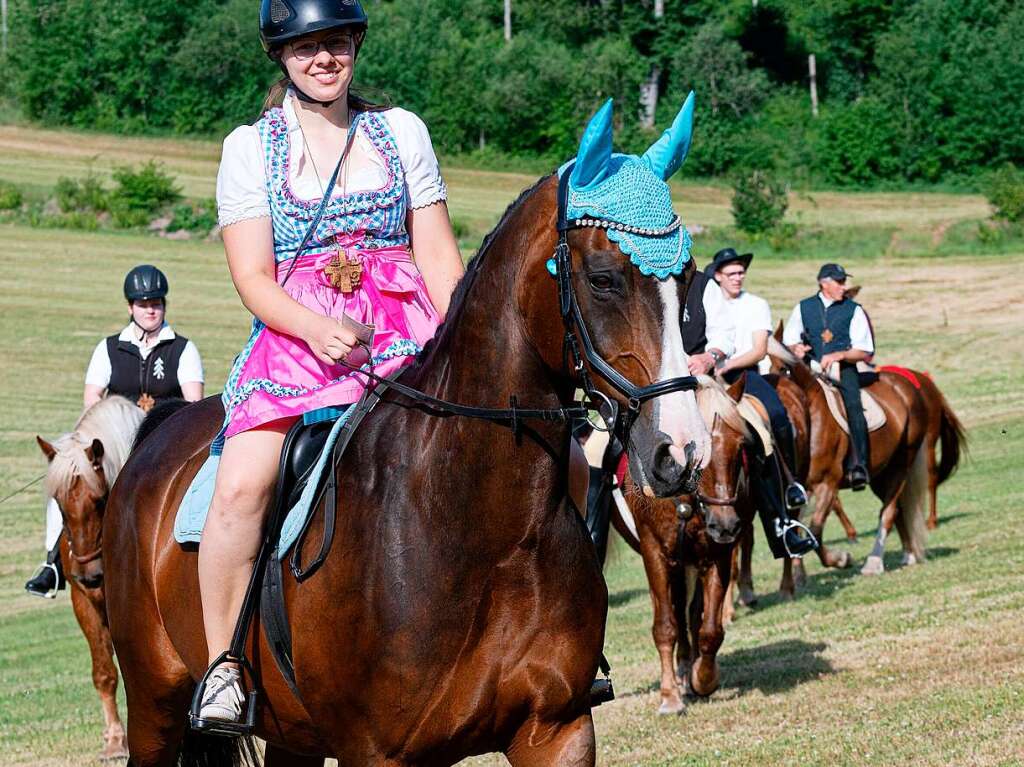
[633, 195]
[633, 192]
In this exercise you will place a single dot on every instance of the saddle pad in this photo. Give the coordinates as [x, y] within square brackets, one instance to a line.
[195, 504]
[910, 375]
[873, 412]
[756, 415]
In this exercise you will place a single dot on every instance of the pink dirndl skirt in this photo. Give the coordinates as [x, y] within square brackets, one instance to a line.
[278, 376]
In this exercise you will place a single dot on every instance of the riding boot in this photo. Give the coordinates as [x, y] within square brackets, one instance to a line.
[785, 443]
[850, 388]
[48, 578]
[786, 537]
[599, 499]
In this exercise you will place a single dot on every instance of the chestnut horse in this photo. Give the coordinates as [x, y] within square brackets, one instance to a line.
[898, 461]
[82, 466]
[688, 556]
[465, 611]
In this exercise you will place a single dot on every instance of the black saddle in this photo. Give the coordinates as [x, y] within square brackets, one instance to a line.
[302, 447]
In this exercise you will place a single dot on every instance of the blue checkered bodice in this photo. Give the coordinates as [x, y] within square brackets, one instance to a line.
[379, 213]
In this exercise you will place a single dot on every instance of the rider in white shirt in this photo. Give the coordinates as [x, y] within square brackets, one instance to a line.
[752, 319]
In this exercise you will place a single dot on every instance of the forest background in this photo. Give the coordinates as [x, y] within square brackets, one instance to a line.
[912, 92]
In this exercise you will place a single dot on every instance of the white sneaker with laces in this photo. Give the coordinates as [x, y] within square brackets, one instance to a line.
[223, 697]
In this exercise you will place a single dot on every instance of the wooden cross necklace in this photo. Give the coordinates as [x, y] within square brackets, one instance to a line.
[344, 274]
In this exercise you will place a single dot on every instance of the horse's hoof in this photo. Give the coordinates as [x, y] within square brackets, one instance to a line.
[846, 560]
[909, 560]
[874, 566]
[851, 538]
[111, 752]
[932, 524]
[786, 595]
[671, 705]
[747, 596]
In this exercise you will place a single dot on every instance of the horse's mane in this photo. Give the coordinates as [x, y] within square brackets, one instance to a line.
[113, 421]
[713, 399]
[778, 350]
[461, 292]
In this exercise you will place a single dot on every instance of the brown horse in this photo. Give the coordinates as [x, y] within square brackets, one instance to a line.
[454, 616]
[897, 460]
[82, 466]
[688, 556]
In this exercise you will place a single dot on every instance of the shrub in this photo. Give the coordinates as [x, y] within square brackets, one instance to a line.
[1004, 189]
[139, 194]
[84, 195]
[199, 216]
[10, 196]
[759, 203]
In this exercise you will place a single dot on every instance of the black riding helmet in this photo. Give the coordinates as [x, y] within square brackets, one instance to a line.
[145, 282]
[284, 20]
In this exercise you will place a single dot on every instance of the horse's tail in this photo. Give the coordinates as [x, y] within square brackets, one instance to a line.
[912, 503]
[953, 438]
[155, 417]
[201, 750]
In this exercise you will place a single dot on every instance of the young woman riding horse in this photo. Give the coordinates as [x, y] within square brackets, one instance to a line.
[308, 250]
[452, 616]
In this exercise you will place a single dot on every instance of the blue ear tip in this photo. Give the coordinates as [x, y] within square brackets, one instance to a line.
[552, 267]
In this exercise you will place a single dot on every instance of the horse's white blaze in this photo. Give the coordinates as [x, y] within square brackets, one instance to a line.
[678, 415]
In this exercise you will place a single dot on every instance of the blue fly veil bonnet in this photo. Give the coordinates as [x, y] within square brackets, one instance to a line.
[628, 196]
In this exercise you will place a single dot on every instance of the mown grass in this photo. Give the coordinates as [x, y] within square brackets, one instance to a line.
[922, 666]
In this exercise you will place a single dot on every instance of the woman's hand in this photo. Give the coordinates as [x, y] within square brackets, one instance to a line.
[329, 340]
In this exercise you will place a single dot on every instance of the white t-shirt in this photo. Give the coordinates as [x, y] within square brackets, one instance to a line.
[190, 366]
[718, 322]
[241, 180]
[860, 329]
[750, 314]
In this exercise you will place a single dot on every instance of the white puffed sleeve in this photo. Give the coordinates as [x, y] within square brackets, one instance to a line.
[241, 180]
[423, 181]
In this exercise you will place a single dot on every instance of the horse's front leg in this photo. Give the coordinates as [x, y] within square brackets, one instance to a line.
[848, 528]
[825, 494]
[89, 610]
[746, 577]
[664, 629]
[704, 678]
[875, 565]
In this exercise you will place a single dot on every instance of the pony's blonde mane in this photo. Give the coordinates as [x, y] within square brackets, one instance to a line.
[713, 399]
[113, 421]
[778, 350]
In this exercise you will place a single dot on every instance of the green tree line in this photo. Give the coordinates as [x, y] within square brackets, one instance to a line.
[909, 90]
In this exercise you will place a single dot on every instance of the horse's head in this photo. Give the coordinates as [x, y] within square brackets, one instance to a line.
[723, 483]
[625, 254]
[76, 479]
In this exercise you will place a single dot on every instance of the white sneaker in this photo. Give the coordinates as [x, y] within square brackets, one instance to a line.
[223, 697]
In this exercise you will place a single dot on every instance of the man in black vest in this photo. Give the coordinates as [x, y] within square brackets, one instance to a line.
[146, 362]
[833, 329]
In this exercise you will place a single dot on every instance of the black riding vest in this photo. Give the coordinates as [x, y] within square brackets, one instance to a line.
[694, 322]
[157, 375]
[836, 319]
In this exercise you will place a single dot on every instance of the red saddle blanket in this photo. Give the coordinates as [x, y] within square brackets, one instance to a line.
[910, 375]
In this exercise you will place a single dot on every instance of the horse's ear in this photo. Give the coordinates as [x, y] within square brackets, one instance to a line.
[668, 153]
[852, 292]
[95, 454]
[778, 332]
[47, 448]
[595, 149]
[738, 388]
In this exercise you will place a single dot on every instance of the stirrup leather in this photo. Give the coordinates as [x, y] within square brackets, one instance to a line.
[247, 725]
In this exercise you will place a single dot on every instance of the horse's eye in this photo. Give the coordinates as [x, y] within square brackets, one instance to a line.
[601, 282]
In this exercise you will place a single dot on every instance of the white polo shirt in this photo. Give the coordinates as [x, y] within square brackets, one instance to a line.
[860, 329]
[750, 314]
[190, 366]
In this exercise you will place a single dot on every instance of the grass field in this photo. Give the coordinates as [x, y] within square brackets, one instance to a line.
[922, 666]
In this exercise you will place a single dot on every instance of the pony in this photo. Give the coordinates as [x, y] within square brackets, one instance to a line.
[462, 608]
[82, 467]
[898, 461]
[687, 546]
